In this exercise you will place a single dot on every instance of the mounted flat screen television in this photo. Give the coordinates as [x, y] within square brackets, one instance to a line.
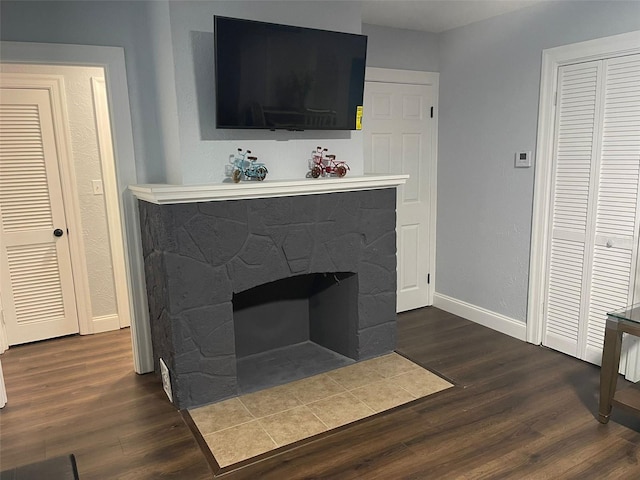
[282, 77]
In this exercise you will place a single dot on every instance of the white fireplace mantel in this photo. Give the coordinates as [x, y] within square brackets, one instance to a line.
[161, 193]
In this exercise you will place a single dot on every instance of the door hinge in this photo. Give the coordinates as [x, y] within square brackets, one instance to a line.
[555, 98]
[428, 278]
[431, 112]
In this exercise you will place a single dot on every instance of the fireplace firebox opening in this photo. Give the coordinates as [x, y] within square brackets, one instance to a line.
[294, 328]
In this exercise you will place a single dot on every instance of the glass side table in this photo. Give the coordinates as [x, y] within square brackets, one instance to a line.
[618, 322]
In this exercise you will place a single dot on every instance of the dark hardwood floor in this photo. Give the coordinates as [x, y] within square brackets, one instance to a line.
[518, 411]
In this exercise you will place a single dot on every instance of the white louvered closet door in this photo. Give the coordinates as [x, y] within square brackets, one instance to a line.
[35, 278]
[595, 207]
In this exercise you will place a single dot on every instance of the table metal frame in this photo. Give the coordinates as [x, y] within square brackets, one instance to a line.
[614, 329]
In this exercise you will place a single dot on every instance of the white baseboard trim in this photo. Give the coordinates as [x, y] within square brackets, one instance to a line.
[487, 318]
[106, 323]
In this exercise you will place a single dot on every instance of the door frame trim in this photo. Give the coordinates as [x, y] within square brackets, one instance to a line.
[110, 182]
[415, 77]
[552, 59]
[112, 59]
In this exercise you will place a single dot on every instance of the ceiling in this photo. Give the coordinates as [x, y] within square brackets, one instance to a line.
[435, 15]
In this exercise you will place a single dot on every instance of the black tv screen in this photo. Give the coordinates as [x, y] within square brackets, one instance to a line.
[283, 77]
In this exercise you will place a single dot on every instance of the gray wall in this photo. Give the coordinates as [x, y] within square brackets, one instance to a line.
[204, 150]
[401, 49]
[489, 87]
[169, 60]
[119, 24]
[166, 101]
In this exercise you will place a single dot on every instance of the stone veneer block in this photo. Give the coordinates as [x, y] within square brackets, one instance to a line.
[198, 255]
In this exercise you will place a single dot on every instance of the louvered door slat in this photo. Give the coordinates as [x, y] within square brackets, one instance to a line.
[609, 290]
[619, 174]
[28, 174]
[564, 294]
[576, 114]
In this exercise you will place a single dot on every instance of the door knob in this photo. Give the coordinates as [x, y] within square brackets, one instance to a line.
[58, 232]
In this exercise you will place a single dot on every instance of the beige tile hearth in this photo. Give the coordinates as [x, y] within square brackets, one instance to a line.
[392, 365]
[315, 388]
[420, 382]
[221, 415]
[270, 401]
[292, 425]
[340, 409]
[253, 424]
[382, 395]
[238, 443]
[356, 375]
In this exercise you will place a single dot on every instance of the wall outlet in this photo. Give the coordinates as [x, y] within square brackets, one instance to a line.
[166, 380]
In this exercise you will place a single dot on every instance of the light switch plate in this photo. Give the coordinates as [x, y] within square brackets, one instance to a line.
[97, 187]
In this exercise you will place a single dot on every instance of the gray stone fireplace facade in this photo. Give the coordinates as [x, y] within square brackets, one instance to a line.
[199, 255]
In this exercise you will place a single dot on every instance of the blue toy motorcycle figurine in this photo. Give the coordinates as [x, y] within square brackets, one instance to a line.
[246, 166]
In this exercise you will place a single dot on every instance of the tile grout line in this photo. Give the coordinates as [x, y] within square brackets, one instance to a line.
[269, 435]
[228, 428]
[336, 382]
[287, 410]
[247, 408]
[231, 426]
[373, 412]
[320, 420]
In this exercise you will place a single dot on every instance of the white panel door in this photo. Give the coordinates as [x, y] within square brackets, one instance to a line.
[595, 209]
[398, 132]
[36, 279]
